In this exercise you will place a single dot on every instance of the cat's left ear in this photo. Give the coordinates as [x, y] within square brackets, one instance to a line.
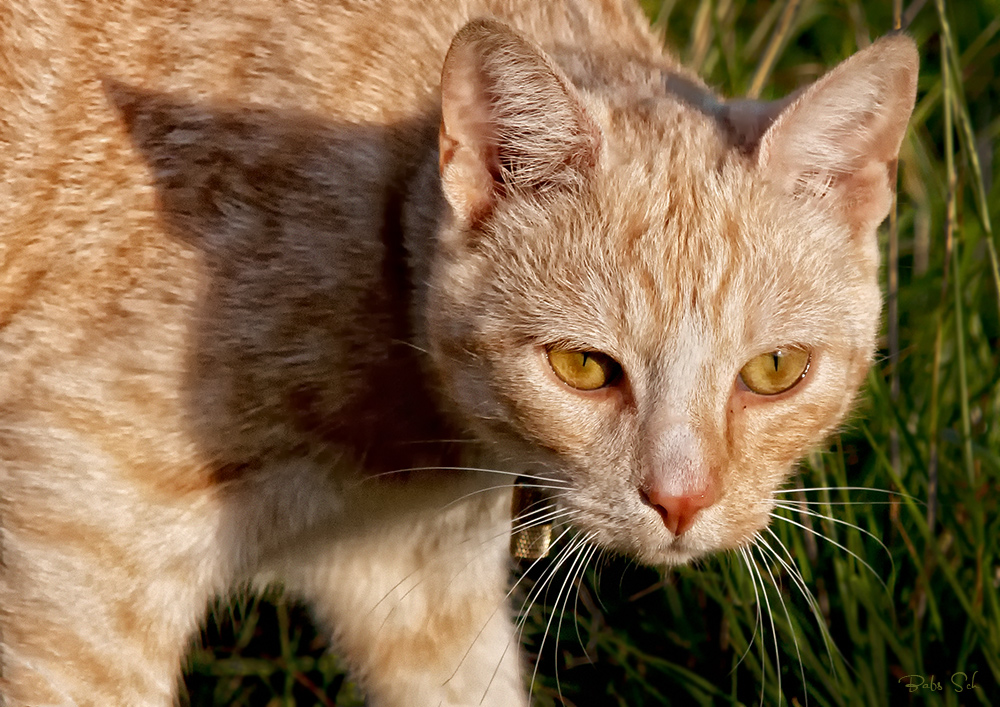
[510, 121]
[839, 140]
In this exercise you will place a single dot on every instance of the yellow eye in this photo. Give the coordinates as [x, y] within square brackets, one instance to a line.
[777, 371]
[584, 370]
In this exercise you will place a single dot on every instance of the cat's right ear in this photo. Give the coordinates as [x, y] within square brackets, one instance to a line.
[837, 143]
[510, 122]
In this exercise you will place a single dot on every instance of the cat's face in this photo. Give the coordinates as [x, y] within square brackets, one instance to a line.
[673, 326]
[681, 287]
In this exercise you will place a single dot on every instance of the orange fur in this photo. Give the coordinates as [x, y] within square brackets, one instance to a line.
[261, 264]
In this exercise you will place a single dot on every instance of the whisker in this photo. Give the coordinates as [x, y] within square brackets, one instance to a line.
[532, 596]
[837, 503]
[839, 521]
[791, 626]
[536, 590]
[549, 517]
[599, 578]
[469, 440]
[411, 345]
[593, 550]
[763, 651]
[850, 488]
[546, 479]
[833, 542]
[753, 582]
[495, 610]
[578, 543]
[572, 580]
[497, 488]
[796, 575]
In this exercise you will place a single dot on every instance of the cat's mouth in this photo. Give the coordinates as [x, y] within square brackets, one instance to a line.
[655, 529]
[708, 530]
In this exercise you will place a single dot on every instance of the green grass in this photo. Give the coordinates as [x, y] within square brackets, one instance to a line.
[928, 429]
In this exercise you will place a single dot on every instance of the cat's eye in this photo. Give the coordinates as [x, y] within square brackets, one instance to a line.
[584, 370]
[776, 371]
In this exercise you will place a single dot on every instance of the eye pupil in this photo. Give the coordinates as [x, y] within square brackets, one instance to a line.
[777, 357]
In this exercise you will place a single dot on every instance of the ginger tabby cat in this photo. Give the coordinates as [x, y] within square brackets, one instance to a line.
[292, 292]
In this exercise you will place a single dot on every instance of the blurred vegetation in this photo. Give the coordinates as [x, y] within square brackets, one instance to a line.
[914, 588]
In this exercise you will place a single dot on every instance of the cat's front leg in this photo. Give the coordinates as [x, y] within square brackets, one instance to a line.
[417, 602]
[103, 578]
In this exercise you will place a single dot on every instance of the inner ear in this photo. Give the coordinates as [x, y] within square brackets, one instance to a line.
[468, 159]
[838, 142]
[510, 121]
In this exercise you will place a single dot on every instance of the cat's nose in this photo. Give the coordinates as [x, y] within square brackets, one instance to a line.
[679, 512]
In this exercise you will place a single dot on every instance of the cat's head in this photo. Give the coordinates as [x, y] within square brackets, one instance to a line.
[661, 299]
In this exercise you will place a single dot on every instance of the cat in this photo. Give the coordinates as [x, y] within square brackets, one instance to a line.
[293, 292]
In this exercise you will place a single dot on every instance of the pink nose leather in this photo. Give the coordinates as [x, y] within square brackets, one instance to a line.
[678, 512]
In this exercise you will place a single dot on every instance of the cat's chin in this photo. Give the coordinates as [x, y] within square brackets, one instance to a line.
[657, 547]
[674, 554]
[672, 557]
[663, 551]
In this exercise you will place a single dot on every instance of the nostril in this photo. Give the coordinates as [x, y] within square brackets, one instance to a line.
[678, 512]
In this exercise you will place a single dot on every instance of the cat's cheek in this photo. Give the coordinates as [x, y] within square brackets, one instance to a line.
[767, 435]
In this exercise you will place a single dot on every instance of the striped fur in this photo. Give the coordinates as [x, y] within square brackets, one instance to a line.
[272, 291]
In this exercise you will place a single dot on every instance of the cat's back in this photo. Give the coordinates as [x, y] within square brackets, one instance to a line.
[366, 60]
[74, 76]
